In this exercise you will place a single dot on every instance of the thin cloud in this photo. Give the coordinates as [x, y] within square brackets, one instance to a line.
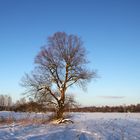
[112, 97]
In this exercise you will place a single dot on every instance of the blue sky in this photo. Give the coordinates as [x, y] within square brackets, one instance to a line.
[110, 30]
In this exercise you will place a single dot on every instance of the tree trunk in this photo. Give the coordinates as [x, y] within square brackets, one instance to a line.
[60, 110]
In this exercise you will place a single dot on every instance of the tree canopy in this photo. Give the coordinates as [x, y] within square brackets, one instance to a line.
[60, 64]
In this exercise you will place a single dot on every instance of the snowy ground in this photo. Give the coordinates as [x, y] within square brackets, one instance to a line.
[86, 126]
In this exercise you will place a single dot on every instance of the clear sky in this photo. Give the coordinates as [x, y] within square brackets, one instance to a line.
[110, 30]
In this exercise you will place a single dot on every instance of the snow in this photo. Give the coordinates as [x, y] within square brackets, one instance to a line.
[86, 126]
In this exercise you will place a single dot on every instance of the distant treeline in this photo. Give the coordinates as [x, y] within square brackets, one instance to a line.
[36, 107]
[129, 108]
[22, 105]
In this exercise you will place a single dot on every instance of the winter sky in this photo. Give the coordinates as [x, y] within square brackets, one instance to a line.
[110, 30]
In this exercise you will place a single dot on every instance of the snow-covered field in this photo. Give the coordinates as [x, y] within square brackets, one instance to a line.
[86, 126]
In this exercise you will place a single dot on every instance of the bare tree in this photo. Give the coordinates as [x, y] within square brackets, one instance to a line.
[70, 102]
[60, 64]
[5, 102]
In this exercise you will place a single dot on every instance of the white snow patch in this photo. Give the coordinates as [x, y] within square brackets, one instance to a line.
[86, 126]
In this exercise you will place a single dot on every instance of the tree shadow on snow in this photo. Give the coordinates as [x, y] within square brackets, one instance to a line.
[68, 134]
